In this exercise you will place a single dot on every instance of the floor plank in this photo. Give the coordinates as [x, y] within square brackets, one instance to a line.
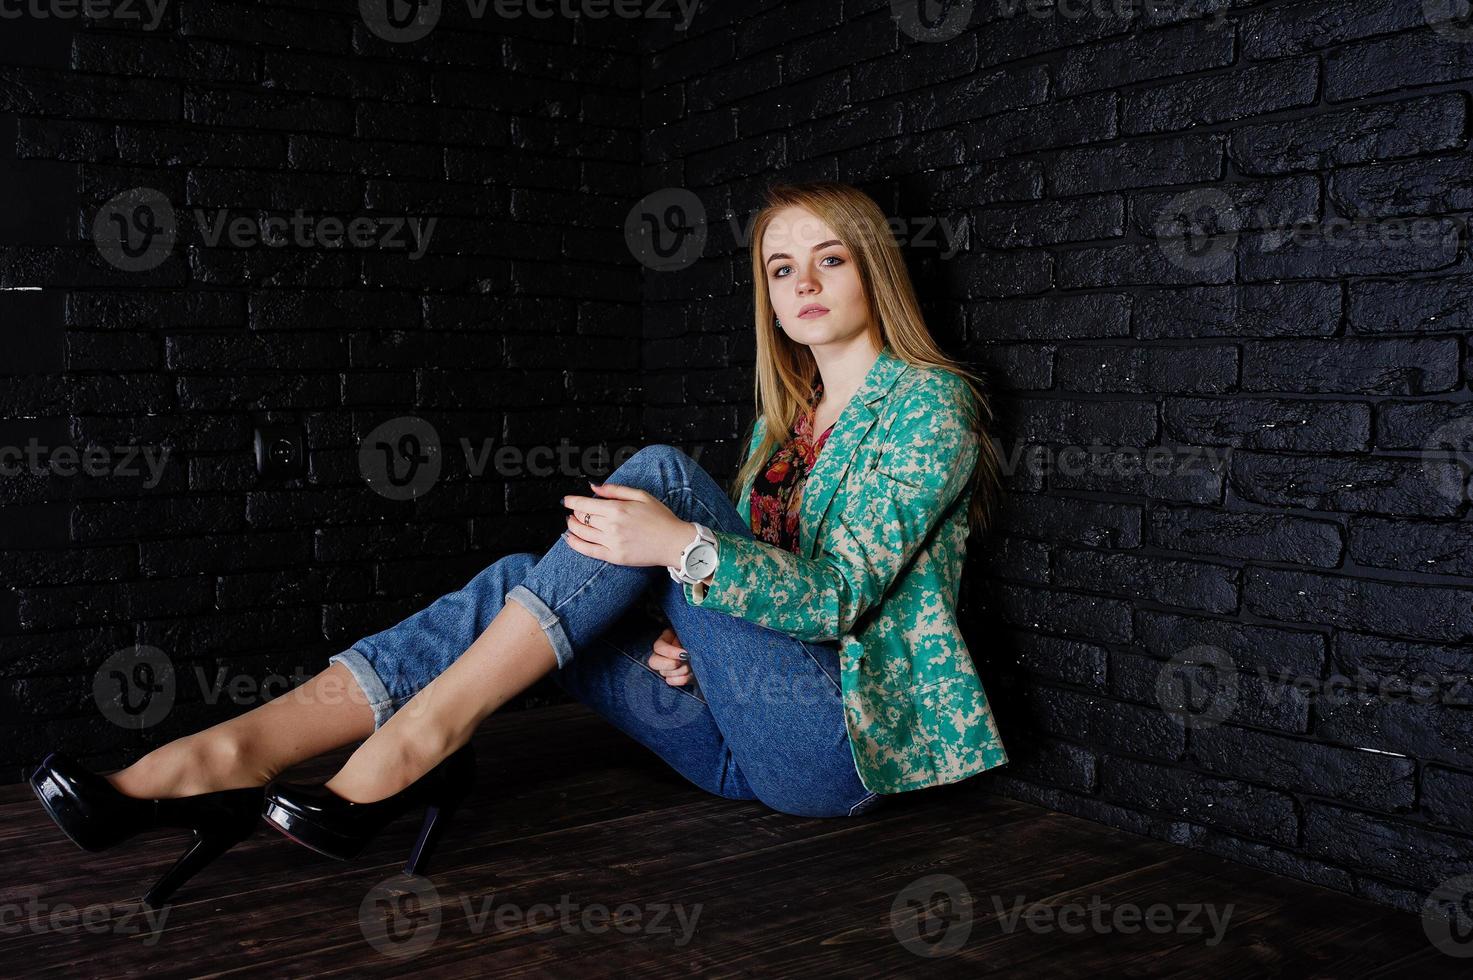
[567, 809]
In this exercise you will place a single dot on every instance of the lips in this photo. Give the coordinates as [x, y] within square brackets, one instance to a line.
[812, 310]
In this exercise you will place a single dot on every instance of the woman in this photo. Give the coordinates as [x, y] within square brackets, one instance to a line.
[812, 648]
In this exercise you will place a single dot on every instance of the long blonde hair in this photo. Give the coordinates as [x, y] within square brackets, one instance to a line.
[786, 370]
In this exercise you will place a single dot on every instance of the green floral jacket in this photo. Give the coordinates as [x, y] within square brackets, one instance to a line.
[882, 531]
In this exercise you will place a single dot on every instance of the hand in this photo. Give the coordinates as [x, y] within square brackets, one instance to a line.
[629, 527]
[666, 658]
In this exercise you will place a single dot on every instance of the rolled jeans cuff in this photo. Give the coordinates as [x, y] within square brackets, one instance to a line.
[368, 679]
[552, 626]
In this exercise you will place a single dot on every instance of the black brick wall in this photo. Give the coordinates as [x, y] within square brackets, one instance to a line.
[1122, 219]
[520, 325]
[1150, 259]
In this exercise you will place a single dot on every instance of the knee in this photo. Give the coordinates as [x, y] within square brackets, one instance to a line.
[657, 457]
[508, 570]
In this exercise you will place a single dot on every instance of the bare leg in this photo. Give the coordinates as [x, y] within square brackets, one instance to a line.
[328, 711]
[506, 659]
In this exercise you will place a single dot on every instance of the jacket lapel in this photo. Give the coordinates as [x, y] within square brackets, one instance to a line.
[849, 431]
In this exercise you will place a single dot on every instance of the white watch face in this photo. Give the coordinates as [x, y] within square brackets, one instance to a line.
[701, 560]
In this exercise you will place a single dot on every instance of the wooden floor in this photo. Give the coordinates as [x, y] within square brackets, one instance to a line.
[656, 878]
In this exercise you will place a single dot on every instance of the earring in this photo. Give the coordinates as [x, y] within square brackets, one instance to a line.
[779, 322]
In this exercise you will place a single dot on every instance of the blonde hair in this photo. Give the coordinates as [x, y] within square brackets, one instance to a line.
[786, 370]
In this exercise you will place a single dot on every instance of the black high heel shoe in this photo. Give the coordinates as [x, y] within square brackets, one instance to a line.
[315, 816]
[95, 815]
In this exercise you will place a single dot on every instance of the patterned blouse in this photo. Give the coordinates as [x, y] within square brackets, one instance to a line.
[777, 491]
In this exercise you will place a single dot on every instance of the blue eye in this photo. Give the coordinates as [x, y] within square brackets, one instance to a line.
[777, 273]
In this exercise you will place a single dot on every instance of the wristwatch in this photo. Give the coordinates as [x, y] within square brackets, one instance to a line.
[698, 559]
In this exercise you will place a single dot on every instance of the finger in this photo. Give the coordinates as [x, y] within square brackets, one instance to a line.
[678, 677]
[668, 649]
[588, 532]
[663, 664]
[620, 491]
[583, 547]
[592, 505]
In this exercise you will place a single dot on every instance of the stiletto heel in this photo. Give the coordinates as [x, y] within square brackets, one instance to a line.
[200, 853]
[316, 817]
[430, 831]
[95, 816]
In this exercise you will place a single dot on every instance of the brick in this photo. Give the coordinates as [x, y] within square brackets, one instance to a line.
[1414, 612]
[1269, 423]
[1385, 64]
[1411, 305]
[1137, 163]
[1148, 56]
[1372, 367]
[1261, 537]
[1380, 782]
[1263, 310]
[1153, 369]
[1221, 97]
[1360, 134]
[1356, 485]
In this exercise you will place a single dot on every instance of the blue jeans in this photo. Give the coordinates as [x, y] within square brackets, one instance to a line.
[763, 718]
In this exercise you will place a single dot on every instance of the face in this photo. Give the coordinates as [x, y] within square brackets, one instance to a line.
[813, 280]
